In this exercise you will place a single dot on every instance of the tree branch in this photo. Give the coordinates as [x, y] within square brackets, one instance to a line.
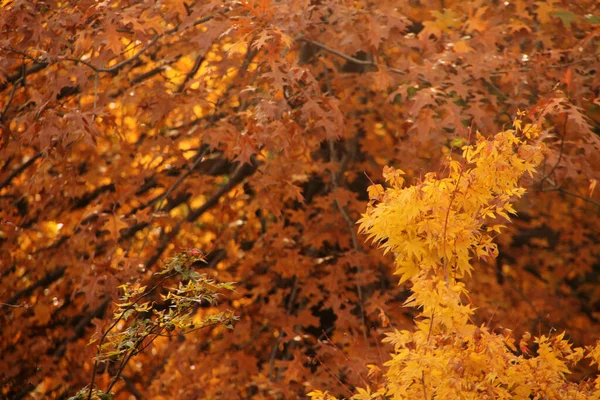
[191, 73]
[557, 188]
[19, 170]
[40, 65]
[36, 67]
[242, 173]
[347, 57]
[50, 277]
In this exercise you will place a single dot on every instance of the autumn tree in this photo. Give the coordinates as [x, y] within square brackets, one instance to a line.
[134, 130]
[435, 229]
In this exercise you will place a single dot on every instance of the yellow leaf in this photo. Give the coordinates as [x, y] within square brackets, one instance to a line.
[375, 192]
[462, 47]
[592, 186]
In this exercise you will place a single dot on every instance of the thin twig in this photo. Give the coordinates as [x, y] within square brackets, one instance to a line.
[22, 305]
[347, 57]
[430, 326]
[111, 327]
[348, 362]
[22, 53]
[10, 99]
[337, 378]
[31, 70]
[132, 389]
[175, 185]
[20, 81]
[288, 309]
[355, 246]
[95, 95]
[557, 188]
[148, 74]
[49, 278]
[272, 357]
[191, 73]
[122, 367]
[446, 229]
[242, 172]
[115, 68]
[560, 153]
[40, 64]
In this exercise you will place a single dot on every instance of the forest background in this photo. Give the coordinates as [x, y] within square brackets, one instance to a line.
[132, 131]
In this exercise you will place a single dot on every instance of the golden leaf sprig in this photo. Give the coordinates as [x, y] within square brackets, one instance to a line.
[435, 228]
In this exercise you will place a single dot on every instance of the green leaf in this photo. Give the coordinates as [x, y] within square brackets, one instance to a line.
[592, 19]
[128, 313]
[126, 344]
[567, 17]
[411, 91]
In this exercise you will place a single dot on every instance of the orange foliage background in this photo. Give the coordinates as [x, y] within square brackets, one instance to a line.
[251, 130]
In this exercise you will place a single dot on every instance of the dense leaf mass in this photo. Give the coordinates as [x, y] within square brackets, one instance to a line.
[131, 131]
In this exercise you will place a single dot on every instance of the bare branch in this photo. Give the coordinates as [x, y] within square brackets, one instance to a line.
[28, 71]
[199, 157]
[191, 73]
[349, 58]
[242, 173]
[41, 64]
[10, 99]
[557, 188]
[50, 277]
[562, 145]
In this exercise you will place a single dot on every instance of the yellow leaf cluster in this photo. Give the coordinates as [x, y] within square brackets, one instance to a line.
[438, 224]
[319, 395]
[434, 229]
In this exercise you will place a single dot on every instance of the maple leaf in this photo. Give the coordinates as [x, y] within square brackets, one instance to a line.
[545, 9]
[239, 47]
[443, 22]
[280, 78]
[462, 47]
[296, 371]
[113, 37]
[382, 79]
[423, 98]
[262, 40]
[566, 17]
[476, 21]
[204, 39]
[523, 344]
[43, 313]
[114, 224]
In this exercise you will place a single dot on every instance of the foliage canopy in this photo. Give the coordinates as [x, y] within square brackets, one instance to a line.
[256, 131]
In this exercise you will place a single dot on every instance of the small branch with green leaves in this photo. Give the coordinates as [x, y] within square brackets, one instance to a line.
[170, 311]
